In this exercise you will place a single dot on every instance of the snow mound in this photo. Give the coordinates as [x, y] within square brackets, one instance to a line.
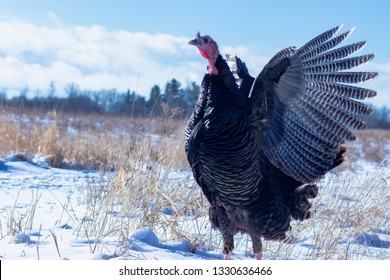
[144, 244]
[21, 163]
[146, 235]
[372, 240]
[20, 239]
[17, 157]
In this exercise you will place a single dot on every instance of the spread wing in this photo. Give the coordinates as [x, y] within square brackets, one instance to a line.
[307, 106]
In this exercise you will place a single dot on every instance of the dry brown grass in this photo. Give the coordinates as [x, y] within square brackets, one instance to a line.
[91, 141]
[95, 141]
[137, 195]
[372, 145]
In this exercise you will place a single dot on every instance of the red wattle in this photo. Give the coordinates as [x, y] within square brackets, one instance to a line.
[204, 54]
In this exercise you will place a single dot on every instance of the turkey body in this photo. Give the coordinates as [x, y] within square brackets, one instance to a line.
[246, 192]
[257, 149]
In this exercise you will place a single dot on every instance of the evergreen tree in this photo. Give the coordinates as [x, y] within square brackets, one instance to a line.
[154, 96]
[174, 98]
[126, 106]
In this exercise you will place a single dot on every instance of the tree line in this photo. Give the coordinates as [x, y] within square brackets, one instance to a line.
[173, 100]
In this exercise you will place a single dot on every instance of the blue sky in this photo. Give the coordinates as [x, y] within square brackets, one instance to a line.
[86, 40]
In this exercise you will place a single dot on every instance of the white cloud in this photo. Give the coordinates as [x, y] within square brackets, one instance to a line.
[95, 57]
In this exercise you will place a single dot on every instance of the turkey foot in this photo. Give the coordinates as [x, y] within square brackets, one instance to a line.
[227, 256]
[259, 255]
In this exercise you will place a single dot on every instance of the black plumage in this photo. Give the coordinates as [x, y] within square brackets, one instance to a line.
[257, 146]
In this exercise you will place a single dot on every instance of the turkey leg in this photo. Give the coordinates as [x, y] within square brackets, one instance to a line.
[257, 246]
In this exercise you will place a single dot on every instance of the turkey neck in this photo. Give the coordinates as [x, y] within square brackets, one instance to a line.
[229, 81]
[225, 102]
[230, 166]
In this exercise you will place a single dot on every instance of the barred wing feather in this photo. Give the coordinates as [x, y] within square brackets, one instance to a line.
[308, 104]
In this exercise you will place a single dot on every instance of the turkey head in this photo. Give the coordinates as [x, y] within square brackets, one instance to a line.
[208, 49]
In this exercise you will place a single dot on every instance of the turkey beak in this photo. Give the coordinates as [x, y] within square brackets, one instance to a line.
[196, 41]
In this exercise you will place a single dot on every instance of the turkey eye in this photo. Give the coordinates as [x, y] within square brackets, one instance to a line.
[206, 40]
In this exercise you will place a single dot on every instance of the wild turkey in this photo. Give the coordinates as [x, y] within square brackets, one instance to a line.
[256, 150]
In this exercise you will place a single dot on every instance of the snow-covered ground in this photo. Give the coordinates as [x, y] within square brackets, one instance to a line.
[41, 209]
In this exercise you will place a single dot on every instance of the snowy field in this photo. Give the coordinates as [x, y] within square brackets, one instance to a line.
[48, 213]
[149, 208]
